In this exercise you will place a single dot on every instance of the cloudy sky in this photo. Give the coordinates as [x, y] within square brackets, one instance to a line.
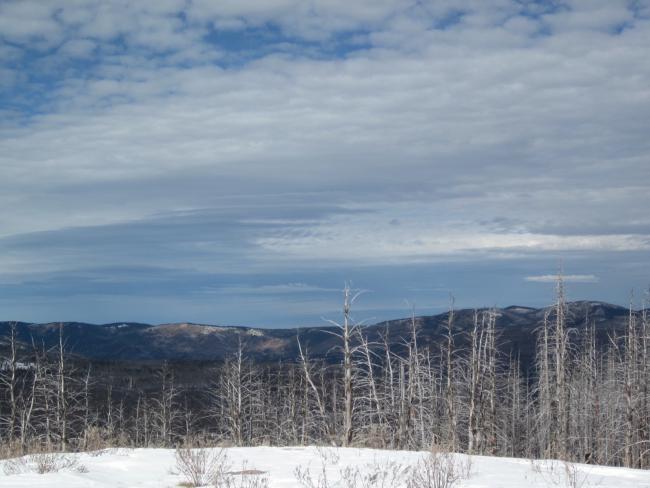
[235, 162]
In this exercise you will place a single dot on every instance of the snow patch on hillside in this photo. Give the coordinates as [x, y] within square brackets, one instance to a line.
[156, 468]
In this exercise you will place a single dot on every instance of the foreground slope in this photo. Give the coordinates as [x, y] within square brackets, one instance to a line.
[157, 468]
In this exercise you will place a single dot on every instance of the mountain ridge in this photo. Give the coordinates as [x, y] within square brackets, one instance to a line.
[183, 341]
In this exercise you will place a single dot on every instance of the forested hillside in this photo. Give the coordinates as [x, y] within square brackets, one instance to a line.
[559, 386]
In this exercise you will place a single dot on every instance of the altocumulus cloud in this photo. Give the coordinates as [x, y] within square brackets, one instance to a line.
[150, 151]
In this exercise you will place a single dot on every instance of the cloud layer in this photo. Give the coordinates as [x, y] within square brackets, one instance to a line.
[566, 278]
[176, 148]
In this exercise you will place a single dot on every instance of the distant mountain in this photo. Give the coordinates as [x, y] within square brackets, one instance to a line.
[131, 341]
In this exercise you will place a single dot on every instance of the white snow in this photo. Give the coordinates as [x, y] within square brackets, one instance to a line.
[131, 468]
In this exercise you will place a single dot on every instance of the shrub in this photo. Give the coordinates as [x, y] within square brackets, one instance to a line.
[440, 469]
[202, 466]
[41, 463]
[246, 478]
[563, 474]
[376, 475]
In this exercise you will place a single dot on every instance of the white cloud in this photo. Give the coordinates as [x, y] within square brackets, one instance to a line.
[576, 278]
[277, 289]
[30, 21]
[78, 48]
[362, 245]
[439, 129]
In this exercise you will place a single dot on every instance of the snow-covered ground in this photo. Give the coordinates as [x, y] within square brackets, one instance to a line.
[157, 468]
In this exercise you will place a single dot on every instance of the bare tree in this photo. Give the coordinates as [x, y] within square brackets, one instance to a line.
[9, 379]
[306, 368]
[62, 401]
[349, 331]
[164, 407]
[560, 397]
[450, 390]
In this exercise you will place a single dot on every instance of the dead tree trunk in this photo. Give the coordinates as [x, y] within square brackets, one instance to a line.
[347, 369]
[561, 358]
[450, 392]
[62, 394]
[10, 381]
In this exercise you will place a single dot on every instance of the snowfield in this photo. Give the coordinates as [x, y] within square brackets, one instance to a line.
[157, 468]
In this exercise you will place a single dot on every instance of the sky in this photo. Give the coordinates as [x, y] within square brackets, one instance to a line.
[236, 162]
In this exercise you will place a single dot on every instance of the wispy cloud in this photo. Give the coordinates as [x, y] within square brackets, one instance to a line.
[275, 289]
[572, 278]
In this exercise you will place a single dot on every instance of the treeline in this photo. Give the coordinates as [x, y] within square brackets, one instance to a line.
[582, 401]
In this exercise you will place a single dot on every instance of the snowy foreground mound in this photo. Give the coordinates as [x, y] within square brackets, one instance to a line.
[280, 467]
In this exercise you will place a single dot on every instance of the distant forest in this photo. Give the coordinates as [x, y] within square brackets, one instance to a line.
[583, 399]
